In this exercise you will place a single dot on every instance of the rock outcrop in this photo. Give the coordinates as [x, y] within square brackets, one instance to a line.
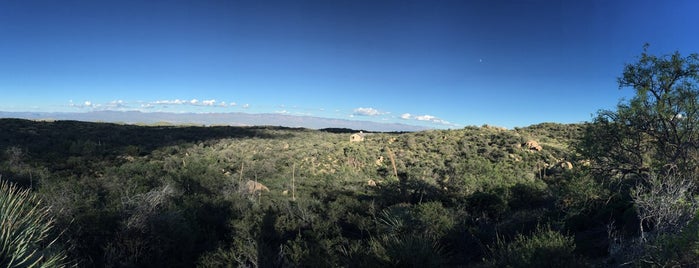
[566, 165]
[533, 145]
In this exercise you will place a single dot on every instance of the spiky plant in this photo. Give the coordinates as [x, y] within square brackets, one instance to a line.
[26, 231]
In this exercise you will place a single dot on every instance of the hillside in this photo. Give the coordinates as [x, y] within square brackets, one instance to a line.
[259, 196]
[72, 148]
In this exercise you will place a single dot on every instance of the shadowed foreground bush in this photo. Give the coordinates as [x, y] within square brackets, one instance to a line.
[544, 248]
[26, 231]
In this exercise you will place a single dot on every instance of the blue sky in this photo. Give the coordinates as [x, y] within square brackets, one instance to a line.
[445, 64]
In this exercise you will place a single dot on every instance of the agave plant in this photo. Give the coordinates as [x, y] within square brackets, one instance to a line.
[26, 231]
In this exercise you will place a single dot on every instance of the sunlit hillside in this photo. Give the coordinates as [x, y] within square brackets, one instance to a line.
[177, 196]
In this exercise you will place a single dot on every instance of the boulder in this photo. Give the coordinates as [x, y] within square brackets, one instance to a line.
[533, 145]
[379, 162]
[585, 163]
[567, 165]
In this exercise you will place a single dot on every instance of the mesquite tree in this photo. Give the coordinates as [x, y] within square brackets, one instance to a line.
[647, 151]
[658, 129]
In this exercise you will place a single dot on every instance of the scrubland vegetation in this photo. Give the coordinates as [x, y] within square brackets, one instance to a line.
[618, 191]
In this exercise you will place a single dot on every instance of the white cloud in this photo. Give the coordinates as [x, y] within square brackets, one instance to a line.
[116, 104]
[367, 112]
[245, 106]
[282, 112]
[425, 118]
[176, 101]
[121, 105]
[194, 102]
[444, 122]
[85, 104]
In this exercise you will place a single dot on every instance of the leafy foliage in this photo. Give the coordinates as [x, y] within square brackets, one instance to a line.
[27, 234]
[658, 128]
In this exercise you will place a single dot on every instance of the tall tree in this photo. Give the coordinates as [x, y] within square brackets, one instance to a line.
[658, 129]
[650, 145]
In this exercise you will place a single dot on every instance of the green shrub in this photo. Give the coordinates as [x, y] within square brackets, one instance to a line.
[487, 205]
[679, 249]
[403, 250]
[26, 231]
[435, 220]
[544, 248]
[528, 195]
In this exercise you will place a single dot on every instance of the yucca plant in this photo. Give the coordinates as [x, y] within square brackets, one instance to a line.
[26, 231]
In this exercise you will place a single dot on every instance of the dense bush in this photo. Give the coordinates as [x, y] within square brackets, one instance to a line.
[543, 248]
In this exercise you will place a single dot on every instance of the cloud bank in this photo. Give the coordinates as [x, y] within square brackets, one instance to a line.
[427, 118]
[214, 106]
[361, 111]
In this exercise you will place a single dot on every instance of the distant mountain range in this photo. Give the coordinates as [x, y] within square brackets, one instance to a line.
[229, 119]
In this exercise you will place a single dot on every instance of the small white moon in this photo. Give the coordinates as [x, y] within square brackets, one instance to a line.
[480, 60]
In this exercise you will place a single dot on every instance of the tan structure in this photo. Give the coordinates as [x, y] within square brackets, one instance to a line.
[357, 137]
